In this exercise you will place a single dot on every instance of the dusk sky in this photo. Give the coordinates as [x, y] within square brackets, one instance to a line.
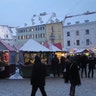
[17, 12]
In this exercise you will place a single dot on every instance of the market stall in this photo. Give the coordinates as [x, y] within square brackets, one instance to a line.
[84, 51]
[32, 48]
[56, 49]
[27, 54]
[7, 60]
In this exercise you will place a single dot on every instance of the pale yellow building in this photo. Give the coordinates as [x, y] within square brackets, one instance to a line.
[54, 32]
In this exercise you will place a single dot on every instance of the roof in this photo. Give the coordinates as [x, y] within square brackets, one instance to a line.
[8, 47]
[84, 51]
[58, 45]
[51, 47]
[34, 46]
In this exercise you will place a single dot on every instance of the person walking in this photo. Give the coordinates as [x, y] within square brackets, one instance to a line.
[66, 70]
[38, 77]
[62, 64]
[91, 66]
[74, 77]
[55, 66]
[84, 61]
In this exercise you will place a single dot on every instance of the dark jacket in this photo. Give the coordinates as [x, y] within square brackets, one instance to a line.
[91, 62]
[55, 62]
[38, 73]
[74, 76]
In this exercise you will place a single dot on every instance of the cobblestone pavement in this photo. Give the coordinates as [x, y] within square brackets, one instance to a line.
[54, 87]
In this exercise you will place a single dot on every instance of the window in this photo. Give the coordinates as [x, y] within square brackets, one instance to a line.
[52, 28]
[68, 33]
[68, 43]
[40, 28]
[77, 33]
[27, 36]
[32, 29]
[28, 30]
[36, 29]
[43, 27]
[77, 42]
[36, 36]
[87, 31]
[87, 42]
[19, 37]
[32, 36]
[25, 30]
[6, 36]
[43, 35]
[22, 37]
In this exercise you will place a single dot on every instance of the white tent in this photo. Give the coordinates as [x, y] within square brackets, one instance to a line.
[34, 46]
[84, 51]
[79, 50]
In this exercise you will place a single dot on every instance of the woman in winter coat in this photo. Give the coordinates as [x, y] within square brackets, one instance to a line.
[74, 77]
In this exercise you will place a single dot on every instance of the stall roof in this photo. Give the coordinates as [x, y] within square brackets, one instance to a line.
[8, 47]
[33, 46]
[83, 51]
[51, 47]
[58, 45]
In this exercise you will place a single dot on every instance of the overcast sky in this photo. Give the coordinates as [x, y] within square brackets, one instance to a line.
[18, 12]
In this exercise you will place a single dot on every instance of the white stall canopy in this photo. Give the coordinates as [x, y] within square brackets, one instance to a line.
[32, 45]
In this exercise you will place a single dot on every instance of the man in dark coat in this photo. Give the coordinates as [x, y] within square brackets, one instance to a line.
[74, 77]
[38, 77]
[84, 65]
[55, 66]
[62, 64]
[91, 66]
[66, 70]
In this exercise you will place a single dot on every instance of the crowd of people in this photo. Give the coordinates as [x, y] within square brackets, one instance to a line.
[72, 68]
[86, 64]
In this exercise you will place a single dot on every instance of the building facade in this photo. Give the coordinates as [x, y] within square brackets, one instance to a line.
[31, 32]
[7, 34]
[51, 32]
[54, 32]
[80, 36]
